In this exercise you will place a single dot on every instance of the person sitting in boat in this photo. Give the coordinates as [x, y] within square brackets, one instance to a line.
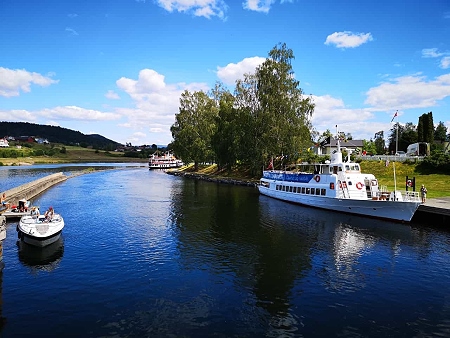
[22, 205]
[49, 214]
[35, 212]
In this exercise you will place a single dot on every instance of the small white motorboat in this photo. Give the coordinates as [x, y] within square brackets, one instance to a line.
[39, 230]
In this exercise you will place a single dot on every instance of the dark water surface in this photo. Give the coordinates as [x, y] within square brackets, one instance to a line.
[146, 254]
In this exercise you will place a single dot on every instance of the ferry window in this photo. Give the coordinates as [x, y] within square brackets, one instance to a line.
[290, 189]
[340, 168]
[294, 189]
[303, 190]
[356, 167]
[308, 190]
[312, 191]
[317, 191]
[335, 169]
[347, 167]
[323, 192]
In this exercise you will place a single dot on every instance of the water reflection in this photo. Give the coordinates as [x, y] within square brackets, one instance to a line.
[158, 255]
[41, 259]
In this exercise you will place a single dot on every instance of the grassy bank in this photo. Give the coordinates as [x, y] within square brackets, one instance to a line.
[72, 155]
[437, 185]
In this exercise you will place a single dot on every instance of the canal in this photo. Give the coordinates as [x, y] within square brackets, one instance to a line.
[146, 254]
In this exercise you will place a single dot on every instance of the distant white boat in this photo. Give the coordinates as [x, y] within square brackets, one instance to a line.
[39, 231]
[166, 161]
[339, 186]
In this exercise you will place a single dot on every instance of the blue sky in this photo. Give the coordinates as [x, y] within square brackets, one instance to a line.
[118, 68]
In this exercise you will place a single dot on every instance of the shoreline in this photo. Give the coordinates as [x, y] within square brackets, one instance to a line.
[210, 178]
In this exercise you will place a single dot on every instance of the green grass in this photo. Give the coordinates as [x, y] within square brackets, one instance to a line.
[73, 155]
[437, 185]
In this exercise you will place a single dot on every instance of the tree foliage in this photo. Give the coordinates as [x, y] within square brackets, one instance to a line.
[194, 126]
[267, 116]
[425, 128]
[379, 143]
[440, 134]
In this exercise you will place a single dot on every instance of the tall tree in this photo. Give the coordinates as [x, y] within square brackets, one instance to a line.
[194, 126]
[440, 134]
[408, 136]
[394, 137]
[379, 143]
[279, 112]
[425, 128]
[225, 141]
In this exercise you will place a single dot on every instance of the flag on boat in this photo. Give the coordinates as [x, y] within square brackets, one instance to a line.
[270, 167]
[395, 115]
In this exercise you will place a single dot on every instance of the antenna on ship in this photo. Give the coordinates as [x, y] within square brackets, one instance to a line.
[338, 141]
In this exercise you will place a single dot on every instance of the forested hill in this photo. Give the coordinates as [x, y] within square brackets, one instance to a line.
[55, 134]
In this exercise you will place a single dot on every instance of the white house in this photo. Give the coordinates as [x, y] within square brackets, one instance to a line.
[4, 143]
[329, 146]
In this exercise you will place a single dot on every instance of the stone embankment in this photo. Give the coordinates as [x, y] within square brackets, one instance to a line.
[32, 189]
[210, 178]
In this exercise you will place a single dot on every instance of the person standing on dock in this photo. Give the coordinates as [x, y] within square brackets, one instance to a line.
[423, 193]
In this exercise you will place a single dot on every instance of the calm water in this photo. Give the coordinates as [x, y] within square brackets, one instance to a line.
[146, 254]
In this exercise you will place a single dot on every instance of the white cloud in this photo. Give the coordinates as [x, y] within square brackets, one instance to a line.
[76, 113]
[430, 53]
[357, 122]
[348, 39]
[12, 81]
[112, 95]
[445, 62]
[234, 71]
[71, 31]
[17, 115]
[156, 102]
[202, 8]
[409, 92]
[72, 15]
[258, 5]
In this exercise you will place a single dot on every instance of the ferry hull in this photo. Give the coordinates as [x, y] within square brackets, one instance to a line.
[392, 210]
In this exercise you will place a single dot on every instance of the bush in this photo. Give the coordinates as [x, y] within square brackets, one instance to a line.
[438, 162]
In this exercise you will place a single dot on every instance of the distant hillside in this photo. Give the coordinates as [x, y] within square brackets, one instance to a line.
[55, 135]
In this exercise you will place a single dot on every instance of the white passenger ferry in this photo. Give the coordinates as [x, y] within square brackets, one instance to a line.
[339, 186]
[165, 161]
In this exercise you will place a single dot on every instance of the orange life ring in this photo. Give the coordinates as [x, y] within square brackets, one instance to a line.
[317, 178]
[359, 185]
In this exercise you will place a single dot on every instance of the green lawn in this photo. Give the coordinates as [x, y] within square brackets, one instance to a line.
[436, 184]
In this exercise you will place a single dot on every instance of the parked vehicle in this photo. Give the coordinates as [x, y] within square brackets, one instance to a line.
[418, 149]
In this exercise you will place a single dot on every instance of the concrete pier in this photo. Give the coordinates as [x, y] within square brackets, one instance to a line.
[34, 188]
